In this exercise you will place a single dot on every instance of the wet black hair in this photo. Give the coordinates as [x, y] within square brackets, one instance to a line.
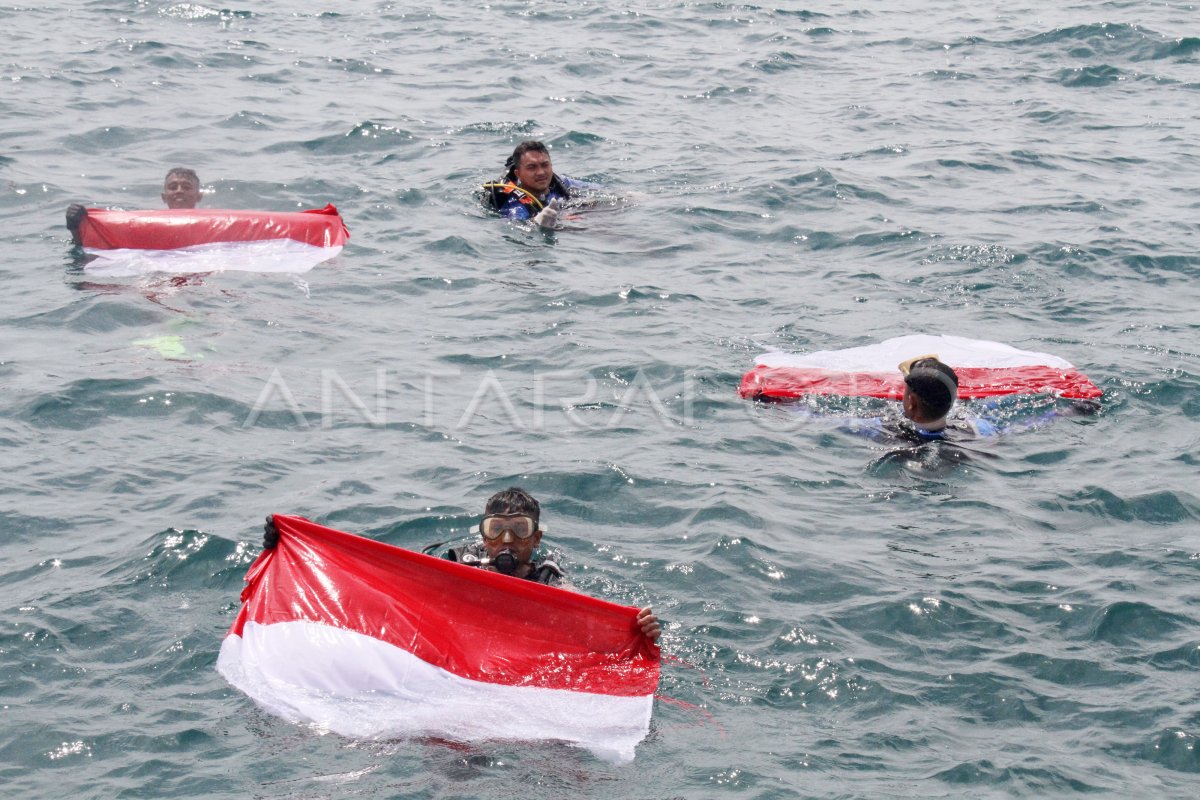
[185, 172]
[935, 385]
[513, 500]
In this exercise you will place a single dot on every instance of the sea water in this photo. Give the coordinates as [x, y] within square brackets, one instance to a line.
[844, 618]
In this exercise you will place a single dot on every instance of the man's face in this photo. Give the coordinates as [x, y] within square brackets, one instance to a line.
[180, 191]
[522, 549]
[535, 171]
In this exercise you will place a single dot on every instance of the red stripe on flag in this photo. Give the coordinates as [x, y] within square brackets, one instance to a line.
[786, 383]
[473, 623]
[169, 229]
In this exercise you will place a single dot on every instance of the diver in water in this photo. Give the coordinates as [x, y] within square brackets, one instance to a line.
[181, 189]
[930, 389]
[530, 189]
[509, 538]
[930, 392]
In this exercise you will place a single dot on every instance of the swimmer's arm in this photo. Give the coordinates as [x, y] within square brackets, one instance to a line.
[574, 185]
[987, 425]
[515, 211]
[869, 427]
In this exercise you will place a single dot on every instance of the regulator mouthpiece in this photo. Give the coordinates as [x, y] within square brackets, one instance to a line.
[505, 562]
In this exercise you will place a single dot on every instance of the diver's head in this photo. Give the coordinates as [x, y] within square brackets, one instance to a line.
[510, 529]
[930, 388]
[181, 188]
[530, 166]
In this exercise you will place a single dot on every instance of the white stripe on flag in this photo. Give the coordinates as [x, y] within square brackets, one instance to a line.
[360, 687]
[272, 255]
[885, 356]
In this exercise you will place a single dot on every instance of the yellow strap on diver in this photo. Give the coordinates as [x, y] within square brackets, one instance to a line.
[512, 187]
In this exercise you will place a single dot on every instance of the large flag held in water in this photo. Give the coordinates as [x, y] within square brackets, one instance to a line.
[372, 641]
[984, 369]
[123, 243]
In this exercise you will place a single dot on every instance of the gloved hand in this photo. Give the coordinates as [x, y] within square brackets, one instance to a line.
[270, 533]
[548, 216]
[76, 214]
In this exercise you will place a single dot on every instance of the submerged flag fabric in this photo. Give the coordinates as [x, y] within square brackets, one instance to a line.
[984, 369]
[207, 240]
[372, 641]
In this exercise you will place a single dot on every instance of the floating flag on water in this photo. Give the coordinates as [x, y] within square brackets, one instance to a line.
[372, 641]
[984, 369]
[126, 243]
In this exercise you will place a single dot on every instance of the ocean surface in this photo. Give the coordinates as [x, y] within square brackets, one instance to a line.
[1012, 617]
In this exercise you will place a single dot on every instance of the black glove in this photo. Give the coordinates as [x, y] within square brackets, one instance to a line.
[270, 533]
[76, 214]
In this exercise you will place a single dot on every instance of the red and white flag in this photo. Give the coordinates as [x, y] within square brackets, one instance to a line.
[126, 243]
[372, 641]
[984, 369]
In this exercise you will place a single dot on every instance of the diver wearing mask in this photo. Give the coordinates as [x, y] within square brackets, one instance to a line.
[510, 537]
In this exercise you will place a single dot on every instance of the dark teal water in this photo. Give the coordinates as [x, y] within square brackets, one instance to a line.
[1016, 618]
